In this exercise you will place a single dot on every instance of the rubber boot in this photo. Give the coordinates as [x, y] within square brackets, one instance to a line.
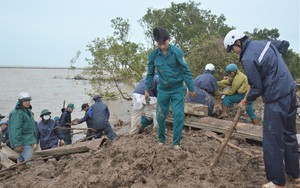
[255, 122]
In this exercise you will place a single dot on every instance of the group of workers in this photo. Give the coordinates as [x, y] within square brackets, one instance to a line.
[266, 75]
[22, 133]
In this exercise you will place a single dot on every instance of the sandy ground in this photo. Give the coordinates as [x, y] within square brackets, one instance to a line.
[138, 161]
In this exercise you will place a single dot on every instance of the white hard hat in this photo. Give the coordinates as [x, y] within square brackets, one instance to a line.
[24, 95]
[231, 37]
[210, 67]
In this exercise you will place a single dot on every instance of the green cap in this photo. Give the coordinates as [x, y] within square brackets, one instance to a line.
[56, 118]
[70, 105]
[45, 111]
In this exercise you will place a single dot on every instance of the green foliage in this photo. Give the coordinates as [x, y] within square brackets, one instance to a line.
[185, 22]
[116, 61]
[74, 60]
[292, 60]
[197, 32]
[264, 34]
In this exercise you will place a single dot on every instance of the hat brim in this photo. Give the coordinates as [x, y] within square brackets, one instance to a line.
[2, 117]
[47, 113]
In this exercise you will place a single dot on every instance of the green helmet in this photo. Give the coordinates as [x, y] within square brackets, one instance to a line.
[231, 68]
[45, 111]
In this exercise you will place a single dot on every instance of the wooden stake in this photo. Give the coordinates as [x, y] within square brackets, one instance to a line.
[227, 138]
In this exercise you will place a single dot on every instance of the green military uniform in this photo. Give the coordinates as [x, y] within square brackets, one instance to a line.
[172, 70]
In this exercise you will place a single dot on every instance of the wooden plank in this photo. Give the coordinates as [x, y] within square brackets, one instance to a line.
[78, 147]
[5, 161]
[11, 154]
[245, 130]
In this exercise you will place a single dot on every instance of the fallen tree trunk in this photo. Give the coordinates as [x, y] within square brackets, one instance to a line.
[78, 147]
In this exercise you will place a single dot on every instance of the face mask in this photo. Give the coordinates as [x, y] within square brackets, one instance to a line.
[46, 117]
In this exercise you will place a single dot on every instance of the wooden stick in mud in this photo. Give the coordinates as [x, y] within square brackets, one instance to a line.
[80, 132]
[85, 138]
[227, 138]
[66, 128]
[120, 121]
[212, 134]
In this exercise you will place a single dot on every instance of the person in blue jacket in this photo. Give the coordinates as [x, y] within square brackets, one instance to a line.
[99, 115]
[90, 134]
[47, 133]
[205, 87]
[269, 77]
[172, 71]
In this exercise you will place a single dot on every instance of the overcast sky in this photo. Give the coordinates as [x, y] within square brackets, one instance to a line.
[49, 33]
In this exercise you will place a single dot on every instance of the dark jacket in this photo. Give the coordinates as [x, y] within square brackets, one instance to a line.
[207, 82]
[65, 119]
[86, 119]
[99, 115]
[21, 127]
[140, 88]
[267, 72]
[47, 135]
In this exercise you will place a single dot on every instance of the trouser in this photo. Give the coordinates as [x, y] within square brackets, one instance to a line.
[176, 98]
[26, 153]
[280, 145]
[236, 98]
[67, 137]
[139, 111]
[107, 129]
[90, 134]
[136, 115]
[145, 121]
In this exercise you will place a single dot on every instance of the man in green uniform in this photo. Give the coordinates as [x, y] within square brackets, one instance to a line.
[172, 71]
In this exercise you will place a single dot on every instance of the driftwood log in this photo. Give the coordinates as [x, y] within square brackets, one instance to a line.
[78, 147]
